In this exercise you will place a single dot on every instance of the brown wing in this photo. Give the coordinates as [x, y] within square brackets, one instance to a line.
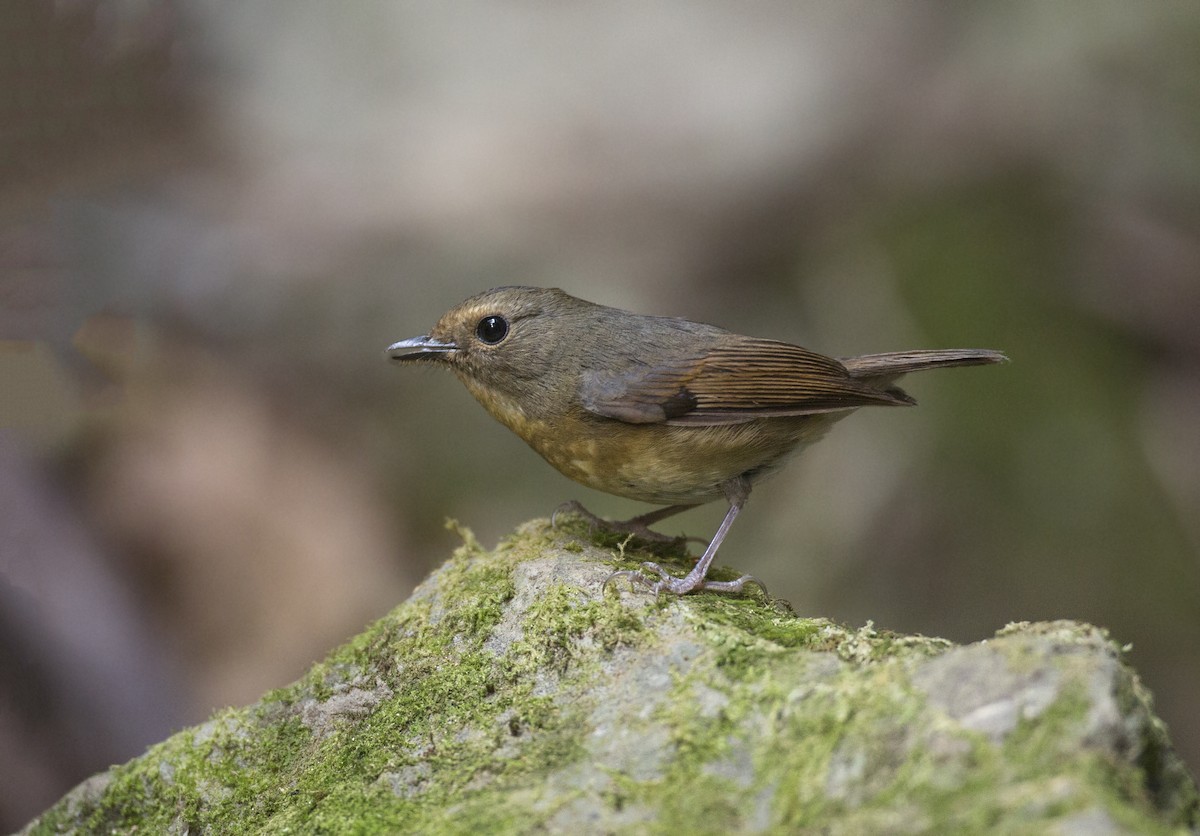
[738, 380]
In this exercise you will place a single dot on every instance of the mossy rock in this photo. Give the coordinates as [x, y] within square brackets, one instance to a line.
[508, 695]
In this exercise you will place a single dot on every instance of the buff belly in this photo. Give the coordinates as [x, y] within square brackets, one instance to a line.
[657, 463]
[671, 465]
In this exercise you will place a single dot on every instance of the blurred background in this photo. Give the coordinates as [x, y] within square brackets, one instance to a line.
[214, 217]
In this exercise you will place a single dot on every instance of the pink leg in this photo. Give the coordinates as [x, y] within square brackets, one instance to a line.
[737, 491]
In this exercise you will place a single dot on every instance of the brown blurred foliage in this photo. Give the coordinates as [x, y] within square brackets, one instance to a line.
[213, 218]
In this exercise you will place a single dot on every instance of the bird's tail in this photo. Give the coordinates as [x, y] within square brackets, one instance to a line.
[891, 365]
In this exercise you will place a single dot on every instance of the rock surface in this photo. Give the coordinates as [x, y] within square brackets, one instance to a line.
[507, 695]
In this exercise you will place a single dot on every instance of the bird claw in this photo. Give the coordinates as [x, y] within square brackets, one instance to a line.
[666, 582]
[736, 586]
[637, 576]
[655, 578]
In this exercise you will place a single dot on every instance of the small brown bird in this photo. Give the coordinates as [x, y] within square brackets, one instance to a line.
[658, 409]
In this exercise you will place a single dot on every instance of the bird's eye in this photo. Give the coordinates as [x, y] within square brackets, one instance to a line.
[492, 329]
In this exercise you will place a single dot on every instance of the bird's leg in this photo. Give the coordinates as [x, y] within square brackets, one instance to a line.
[737, 490]
[637, 526]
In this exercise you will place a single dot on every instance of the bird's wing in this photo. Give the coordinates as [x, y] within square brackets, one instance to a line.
[736, 381]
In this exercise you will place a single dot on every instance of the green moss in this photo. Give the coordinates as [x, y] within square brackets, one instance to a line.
[575, 526]
[509, 694]
[744, 617]
[557, 623]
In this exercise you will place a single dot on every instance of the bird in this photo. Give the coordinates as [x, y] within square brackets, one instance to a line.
[658, 409]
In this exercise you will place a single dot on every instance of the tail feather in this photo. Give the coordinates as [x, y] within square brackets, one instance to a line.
[891, 365]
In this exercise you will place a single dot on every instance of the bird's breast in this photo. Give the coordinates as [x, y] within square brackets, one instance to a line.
[668, 464]
[658, 463]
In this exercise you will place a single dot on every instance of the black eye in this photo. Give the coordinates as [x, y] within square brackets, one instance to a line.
[492, 329]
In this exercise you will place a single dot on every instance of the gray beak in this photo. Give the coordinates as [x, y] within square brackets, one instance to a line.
[419, 348]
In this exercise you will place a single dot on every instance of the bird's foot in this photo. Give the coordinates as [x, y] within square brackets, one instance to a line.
[691, 582]
[639, 527]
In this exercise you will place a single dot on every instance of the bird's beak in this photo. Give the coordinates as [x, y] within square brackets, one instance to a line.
[419, 348]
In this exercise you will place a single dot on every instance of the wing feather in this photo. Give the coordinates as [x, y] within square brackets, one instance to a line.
[737, 380]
